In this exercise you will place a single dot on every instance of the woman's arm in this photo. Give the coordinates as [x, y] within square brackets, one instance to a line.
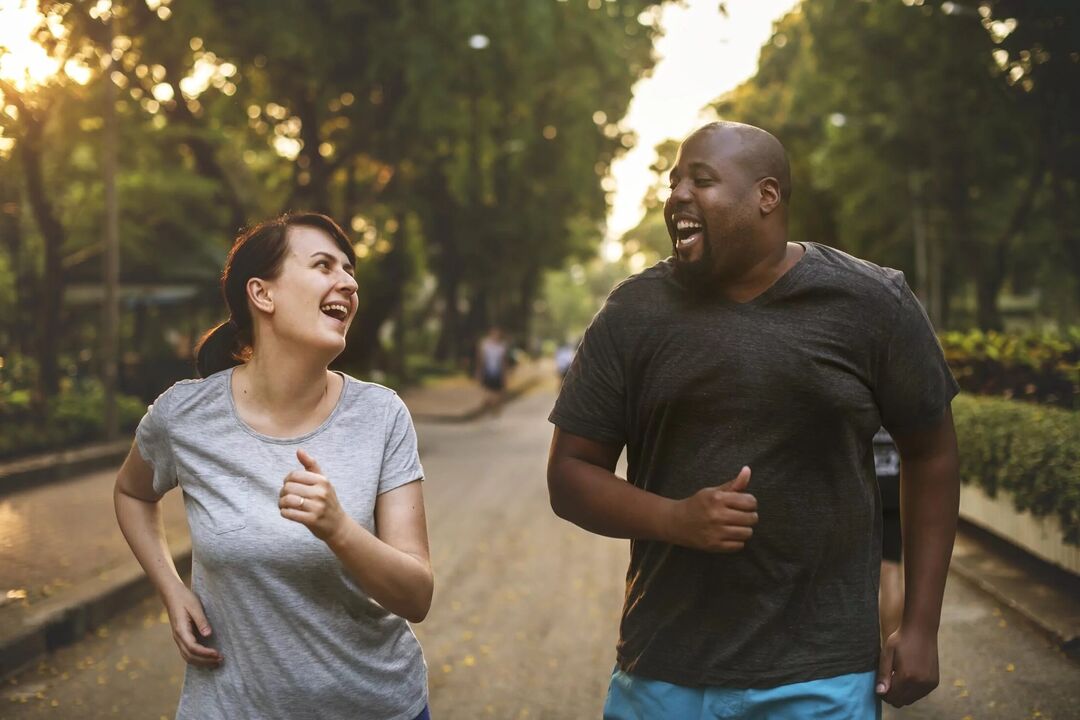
[392, 565]
[140, 520]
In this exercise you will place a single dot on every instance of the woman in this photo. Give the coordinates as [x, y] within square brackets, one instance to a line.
[307, 521]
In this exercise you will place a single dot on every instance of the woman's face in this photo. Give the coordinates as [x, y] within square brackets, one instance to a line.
[314, 297]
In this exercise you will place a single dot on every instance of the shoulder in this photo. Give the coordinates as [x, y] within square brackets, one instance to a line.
[184, 393]
[364, 396]
[640, 290]
[861, 277]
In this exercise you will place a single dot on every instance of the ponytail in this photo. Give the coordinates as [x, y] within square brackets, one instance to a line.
[219, 349]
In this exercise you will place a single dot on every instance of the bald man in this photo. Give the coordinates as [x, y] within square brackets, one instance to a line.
[746, 376]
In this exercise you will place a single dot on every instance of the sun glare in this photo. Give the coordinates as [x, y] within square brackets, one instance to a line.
[23, 62]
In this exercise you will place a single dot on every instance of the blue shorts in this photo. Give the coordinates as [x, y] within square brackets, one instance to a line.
[845, 697]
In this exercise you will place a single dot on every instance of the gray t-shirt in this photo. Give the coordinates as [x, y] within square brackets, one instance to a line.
[794, 384]
[299, 637]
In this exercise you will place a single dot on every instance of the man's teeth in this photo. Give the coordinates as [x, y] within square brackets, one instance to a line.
[688, 225]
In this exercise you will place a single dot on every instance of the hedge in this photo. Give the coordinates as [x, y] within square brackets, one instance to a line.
[1039, 366]
[74, 416]
[1030, 451]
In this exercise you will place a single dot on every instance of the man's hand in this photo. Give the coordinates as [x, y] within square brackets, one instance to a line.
[308, 498]
[908, 670]
[716, 519]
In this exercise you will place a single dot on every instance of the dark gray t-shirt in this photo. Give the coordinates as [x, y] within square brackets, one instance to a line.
[301, 640]
[794, 384]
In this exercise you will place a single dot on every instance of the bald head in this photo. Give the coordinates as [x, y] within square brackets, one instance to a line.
[758, 152]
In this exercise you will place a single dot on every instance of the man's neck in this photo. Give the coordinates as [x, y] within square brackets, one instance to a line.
[763, 274]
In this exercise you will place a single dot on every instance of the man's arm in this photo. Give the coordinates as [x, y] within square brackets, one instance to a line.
[584, 489]
[929, 504]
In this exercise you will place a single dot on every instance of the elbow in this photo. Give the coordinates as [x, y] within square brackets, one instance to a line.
[557, 493]
[419, 612]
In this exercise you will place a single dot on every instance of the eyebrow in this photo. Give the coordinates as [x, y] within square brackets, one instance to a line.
[330, 257]
[698, 165]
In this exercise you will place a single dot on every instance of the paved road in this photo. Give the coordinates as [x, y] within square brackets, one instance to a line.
[526, 609]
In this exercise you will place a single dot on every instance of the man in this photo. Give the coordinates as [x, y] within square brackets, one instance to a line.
[767, 364]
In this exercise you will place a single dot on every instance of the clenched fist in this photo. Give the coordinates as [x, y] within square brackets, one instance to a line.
[715, 519]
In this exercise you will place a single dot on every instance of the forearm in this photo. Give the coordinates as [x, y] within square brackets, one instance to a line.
[930, 502]
[400, 582]
[599, 501]
[144, 529]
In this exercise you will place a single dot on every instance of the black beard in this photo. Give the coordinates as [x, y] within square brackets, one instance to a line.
[696, 276]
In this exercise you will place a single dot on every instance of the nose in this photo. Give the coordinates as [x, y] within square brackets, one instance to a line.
[680, 193]
[348, 284]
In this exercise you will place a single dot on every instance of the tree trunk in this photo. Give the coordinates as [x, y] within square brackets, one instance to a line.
[52, 232]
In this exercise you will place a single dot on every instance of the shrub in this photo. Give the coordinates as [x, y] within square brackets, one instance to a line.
[1042, 366]
[1030, 451]
[74, 416]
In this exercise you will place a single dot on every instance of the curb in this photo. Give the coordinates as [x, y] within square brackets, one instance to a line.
[1051, 622]
[50, 467]
[1070, 645]
[55, 623]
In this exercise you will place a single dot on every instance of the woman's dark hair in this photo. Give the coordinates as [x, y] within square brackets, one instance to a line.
[259, 252]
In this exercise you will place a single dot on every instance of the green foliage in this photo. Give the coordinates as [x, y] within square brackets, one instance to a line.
[1030, 451]
[73, 416]
[1038, 366]
[906, 120]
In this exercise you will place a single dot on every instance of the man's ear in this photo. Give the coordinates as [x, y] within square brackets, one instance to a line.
[260, 295]
[770, 198]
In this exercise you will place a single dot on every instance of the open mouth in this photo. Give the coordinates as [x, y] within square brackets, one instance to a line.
[688, 232]
[337, 311]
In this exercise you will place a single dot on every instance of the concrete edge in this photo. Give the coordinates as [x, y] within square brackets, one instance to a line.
[69, 617]
[1065, 638]
[51, 467]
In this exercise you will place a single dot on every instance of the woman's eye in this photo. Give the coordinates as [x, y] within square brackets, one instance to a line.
[323, 264]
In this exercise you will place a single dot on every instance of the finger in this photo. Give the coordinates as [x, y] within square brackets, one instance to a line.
[741, 480]
[299, 489]
[742, 501]
[304, 517]
[198, 617]
[308, 462]
[885, 670]
[303, 477]
[738, 533]
[189, 646]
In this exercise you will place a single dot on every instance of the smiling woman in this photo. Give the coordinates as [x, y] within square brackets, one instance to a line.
[303, 498]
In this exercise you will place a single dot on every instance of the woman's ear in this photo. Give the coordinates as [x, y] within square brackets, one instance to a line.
[260, 295]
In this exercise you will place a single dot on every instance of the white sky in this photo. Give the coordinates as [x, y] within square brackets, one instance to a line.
[702, 55]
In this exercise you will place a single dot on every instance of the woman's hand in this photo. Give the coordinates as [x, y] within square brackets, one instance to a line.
[188, 622]
[308, 498]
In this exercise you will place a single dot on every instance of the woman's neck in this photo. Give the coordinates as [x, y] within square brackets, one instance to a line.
[282, 391]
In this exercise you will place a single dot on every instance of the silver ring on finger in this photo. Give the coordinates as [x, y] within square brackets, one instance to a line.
[301, 505]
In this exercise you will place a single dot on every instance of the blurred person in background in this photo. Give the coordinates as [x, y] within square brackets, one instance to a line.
[746, 376]
[564, 356]
[301, 485]
[492, 366]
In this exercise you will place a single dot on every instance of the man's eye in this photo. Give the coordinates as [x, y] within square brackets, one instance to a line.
[702, 182]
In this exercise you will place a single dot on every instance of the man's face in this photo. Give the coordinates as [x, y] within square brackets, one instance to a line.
[711, 210]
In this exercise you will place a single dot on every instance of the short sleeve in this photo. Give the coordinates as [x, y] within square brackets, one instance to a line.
[155, 446]
[914, 384]
[592, 402]
[401, 461]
